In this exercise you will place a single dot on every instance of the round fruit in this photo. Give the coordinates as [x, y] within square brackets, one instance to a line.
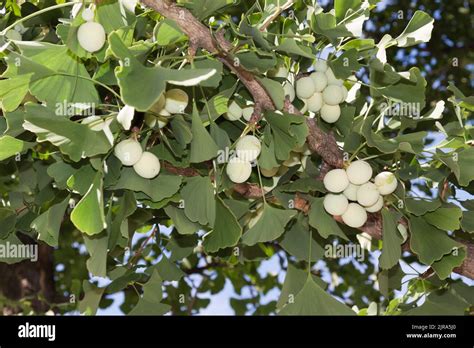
[320, 80]
[269, 172]
[315, 102]
[367, 194]
[331, 77]
[386, 183]
[351, 192]
[91, 36]
[336, 180]
[234, 112]
[176, 101]
[159, 105]
[128, 152]
[88, 15]
[345, 93]
[289, 90]
[248, 148]
[148, 166]
[355, 216]
[330, 113]
[305, 87]
[247, 113]
[320, 65]
[164, 113]
[375, 207]
[359, 172]
[238, 170]
[335, 204]
[150, 120]
[332, 95]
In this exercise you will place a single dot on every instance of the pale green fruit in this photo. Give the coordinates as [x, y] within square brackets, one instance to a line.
[289, 90]
[247, 113]
[335, 204]
[128, 152]
[332, 80]
[355, 216]
[176, 101]
[345, 93]
[375, 207]
[386, 183]
[91, 36]
[305, 87]
[359, 172]
[248, 148]
[321, 65]
[351, 192]
[234, 112]
[330, 113]
[238, 170]
[148, 166]
[88, 15]
[332, 95]
[336, 180]
[367, 194]
[315, 102]
[320, 80]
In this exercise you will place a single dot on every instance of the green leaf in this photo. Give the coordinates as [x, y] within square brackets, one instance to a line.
[428, 242]
[150, 302]
[167, 270]
[132, 76]
[9, 146]
[48, 224]
[97, 248]
[346, 64]
[80, 140]
[295, 241]
[88, 215]
[467, 222]
[203, 147]
[290, 47]
[345, 7]
[227, 230]
[462, 166]
[270, 225]
[417, 31]
[168, 32]
[391, 250]
[289, 132]
[92, 296]
[7, 221]
[322, 221]
[159, 188]
[12, 92]
[295, 279]
[312, 300]
[199, 202]
[443, 302]
[420, 207]
[205, 8]
[182, 224]
[445, 266]
[447, 219]
[275, 90]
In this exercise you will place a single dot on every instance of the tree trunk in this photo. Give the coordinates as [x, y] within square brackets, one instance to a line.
[32, 280]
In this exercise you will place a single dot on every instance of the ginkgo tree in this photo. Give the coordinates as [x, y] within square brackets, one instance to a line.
[163, 149]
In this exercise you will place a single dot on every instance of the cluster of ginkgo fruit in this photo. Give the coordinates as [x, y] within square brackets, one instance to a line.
[353, 194]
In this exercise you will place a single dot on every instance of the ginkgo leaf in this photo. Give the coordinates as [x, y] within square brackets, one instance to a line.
[417, 31]
[48, 224]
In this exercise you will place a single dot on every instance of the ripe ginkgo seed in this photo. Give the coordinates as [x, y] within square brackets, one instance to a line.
[386, 183]
[176, 101]
[330, 113]
[148, 166]
[320, 80]
[305, 87]
[248, 148]
[367, 194]
[315, 102]
[238, 170]
[355, 216]
[336, 180]
[335, 204]
[332, 95]
[128, 152]
[91, 36]
[359, 172]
